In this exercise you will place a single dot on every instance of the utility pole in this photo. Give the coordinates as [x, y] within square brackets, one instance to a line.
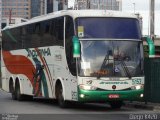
[88, 4]
[99, 4]
[134, 6]
[152, 8]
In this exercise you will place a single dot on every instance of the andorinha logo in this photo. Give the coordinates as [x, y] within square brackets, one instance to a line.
[42, 52]
[116, 83]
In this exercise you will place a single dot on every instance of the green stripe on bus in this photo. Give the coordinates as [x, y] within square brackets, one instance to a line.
[97, 96]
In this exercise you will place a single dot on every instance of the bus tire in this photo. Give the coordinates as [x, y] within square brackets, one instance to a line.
[62, 103]
[116, 104]
[12, 90]
[18, 91]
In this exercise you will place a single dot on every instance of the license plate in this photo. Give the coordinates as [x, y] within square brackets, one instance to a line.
[113, 96]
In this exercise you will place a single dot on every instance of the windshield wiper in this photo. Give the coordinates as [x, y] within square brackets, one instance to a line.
[106, 59]
[104, 64]
[125, 69]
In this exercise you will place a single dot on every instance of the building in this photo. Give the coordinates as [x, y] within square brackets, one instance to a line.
[55, 5]
[16, 8]
[99, 4]
[35, 8]
[38, 7]
[50, 5]
[13, 21]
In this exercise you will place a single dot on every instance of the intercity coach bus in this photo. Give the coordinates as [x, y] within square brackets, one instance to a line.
[75, 55]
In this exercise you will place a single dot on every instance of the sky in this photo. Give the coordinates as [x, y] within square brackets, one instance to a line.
[141, 7]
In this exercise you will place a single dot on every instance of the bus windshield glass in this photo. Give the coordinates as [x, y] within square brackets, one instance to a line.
[118, 28]
[116, 58]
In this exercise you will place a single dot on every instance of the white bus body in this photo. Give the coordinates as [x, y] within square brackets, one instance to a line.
[35, 58]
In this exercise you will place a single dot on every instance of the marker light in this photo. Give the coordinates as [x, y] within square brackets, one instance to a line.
[87, 87]
[82, 95]
[137, 87]
[141, 95]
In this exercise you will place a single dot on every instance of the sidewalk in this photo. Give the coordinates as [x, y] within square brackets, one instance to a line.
[142, 105]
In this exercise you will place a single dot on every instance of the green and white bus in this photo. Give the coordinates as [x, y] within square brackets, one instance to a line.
[75, 55]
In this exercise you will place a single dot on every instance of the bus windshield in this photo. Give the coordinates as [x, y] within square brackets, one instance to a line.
[111, 58]
[118, 28]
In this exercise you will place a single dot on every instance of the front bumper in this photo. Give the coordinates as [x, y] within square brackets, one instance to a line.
[103, 96]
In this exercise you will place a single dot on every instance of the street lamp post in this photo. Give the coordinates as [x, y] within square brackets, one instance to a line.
[152, 7]
[88, 4]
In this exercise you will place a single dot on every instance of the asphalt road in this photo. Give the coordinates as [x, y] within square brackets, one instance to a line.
[41, 109]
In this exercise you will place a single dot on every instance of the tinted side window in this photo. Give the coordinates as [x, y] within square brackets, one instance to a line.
[69, 33]
[23, 34]
[52, 32]
[59, 27]
[36, 36]
[40, 34]
[6, 42]
[28, 36]
[47, 39]
[11, 39]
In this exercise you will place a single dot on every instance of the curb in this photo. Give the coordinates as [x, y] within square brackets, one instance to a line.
[156, 109]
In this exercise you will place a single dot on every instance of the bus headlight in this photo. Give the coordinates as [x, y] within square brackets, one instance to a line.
[141, 95]
[87, 87]
[137, 87]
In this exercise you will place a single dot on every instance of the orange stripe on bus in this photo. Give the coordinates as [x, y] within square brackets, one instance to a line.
[18, 64]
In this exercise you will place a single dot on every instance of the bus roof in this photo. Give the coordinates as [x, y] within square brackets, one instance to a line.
[75, 14]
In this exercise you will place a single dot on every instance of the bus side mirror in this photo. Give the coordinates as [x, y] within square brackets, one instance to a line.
[150, 45]
[76, 47]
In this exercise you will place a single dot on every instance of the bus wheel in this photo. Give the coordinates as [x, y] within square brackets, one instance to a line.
[62, 103]
[18, 92]
[116, 104]
[12, 90]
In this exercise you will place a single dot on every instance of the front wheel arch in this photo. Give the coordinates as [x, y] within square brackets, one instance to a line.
[59, 93]
[58, 82]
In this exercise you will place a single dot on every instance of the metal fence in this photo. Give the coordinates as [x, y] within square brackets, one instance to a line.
[152, 80]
